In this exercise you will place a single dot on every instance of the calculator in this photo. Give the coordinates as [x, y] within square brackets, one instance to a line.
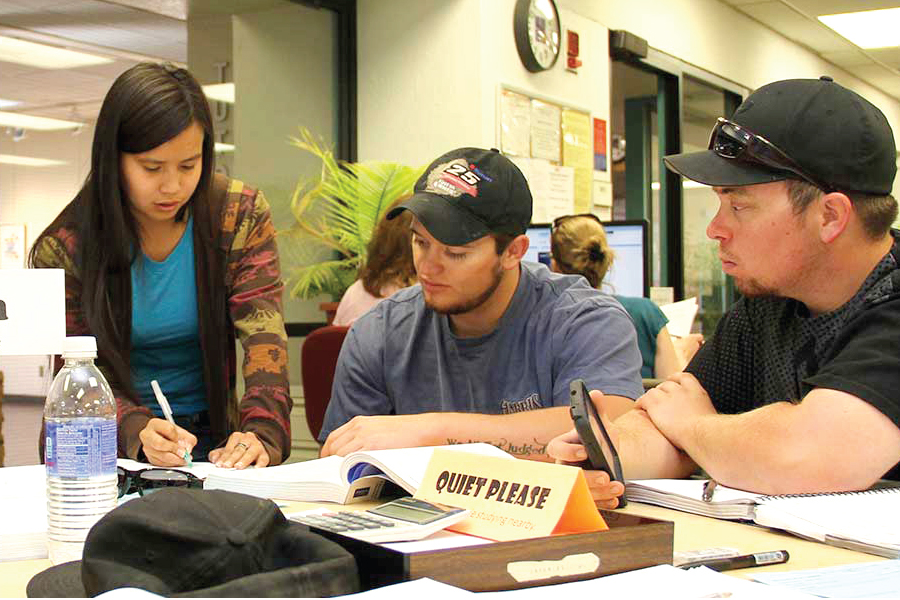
[401, 520]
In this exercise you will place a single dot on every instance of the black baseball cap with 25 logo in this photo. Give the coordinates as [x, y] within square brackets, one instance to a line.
[469, 193]
[808, 129]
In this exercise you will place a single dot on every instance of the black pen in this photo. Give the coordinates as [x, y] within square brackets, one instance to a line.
[708, 488]
[759, 559]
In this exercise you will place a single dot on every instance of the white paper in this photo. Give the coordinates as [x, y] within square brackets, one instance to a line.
[35, 307]
[515, 124]
[862, 580]
[661, 581]
[546, 131]
[681, 316]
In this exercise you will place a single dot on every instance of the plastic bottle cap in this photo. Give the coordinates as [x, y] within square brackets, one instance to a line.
[84, 346]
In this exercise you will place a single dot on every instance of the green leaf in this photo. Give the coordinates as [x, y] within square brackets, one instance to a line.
[338, 211]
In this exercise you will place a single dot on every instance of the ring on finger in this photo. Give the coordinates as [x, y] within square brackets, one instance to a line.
[242, 444]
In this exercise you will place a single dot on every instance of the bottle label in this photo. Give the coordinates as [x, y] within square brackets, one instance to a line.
[80, 447]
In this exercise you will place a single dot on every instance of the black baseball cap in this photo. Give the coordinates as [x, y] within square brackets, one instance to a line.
[202, 543]
[837, 137]
[469, 193]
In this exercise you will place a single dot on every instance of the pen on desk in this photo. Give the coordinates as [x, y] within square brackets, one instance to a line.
[708, 489]
[167, 411]
[758, 559]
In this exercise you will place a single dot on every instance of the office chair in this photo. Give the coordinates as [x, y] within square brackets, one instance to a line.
[318, 359]
[1, 420]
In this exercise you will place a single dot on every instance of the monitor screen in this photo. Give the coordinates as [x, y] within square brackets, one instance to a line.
[628, 274]
[627, 239]
[538, 243]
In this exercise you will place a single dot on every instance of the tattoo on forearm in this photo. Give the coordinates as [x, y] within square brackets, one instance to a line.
[523, 449]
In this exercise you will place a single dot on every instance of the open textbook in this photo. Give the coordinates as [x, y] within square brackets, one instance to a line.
[864, 521]
[352, 478]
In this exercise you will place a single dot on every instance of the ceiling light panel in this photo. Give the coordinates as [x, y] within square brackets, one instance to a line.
[29, 161]
[220, 92]
[867, 29]
[11, 119]
[43, 56]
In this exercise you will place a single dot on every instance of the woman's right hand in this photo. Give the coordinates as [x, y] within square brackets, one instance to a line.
[165, 444]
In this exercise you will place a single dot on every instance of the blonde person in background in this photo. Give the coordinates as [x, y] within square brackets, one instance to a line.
[388, 268]
[578, 246]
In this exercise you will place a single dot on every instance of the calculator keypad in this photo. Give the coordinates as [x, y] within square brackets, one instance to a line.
[345, 521]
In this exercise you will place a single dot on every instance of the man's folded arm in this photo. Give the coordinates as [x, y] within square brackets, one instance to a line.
[831, 441]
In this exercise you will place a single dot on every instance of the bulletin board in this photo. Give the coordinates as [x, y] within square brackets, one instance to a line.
[553, 144]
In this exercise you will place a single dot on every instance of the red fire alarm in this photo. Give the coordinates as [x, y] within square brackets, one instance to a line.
[572, 62]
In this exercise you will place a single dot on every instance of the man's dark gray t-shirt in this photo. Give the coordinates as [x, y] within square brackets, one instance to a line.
[402, 358]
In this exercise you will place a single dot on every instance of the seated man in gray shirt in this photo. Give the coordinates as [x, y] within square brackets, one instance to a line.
[484, 347]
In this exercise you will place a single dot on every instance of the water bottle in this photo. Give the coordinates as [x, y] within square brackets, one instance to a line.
[80, 450]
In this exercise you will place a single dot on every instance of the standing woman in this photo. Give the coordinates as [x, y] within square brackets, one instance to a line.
[166, 263]
[578, 246]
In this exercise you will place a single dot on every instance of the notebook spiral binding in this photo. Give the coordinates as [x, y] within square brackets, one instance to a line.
[881, 490]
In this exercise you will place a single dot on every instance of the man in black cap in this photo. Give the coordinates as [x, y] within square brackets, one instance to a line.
[482, 333]
[798, 389]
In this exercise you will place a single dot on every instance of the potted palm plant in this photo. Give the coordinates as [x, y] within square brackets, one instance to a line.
[334, 216]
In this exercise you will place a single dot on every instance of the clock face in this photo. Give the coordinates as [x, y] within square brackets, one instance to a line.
[537, 31]
[543, 32]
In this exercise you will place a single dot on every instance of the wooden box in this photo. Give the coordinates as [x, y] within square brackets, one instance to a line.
[632, 542]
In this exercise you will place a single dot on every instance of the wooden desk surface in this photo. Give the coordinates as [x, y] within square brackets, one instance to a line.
[692, 532]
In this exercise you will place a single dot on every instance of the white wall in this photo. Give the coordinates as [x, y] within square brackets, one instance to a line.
[419, 76]
[714, 36]
[430, 70]
[284, 73]
[35, 195]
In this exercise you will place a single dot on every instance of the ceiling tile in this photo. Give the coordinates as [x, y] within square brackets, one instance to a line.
[880, 77]
[833, 7]
[796, 27]
[847, 58]
[889, 56]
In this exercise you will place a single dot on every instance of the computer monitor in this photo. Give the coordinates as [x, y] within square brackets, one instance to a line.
[627, 239]
[628, 274]
[538, 243]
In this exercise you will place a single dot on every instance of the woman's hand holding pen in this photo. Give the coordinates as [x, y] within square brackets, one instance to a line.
[165, 443]
[242, 450]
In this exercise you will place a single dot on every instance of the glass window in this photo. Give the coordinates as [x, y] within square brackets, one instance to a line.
[703, 276]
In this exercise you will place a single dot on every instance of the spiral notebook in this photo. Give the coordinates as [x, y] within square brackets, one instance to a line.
[865, 521]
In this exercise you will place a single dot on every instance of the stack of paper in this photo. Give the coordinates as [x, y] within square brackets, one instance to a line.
[681, 316]
[23, 513]
[687, 495]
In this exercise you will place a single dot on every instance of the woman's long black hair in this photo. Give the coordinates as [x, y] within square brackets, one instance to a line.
[147, 105]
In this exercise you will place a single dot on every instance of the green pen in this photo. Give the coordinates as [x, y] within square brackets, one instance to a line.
[167, 411]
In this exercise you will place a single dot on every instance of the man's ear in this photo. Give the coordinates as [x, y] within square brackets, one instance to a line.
[835, 212]
[513, 254]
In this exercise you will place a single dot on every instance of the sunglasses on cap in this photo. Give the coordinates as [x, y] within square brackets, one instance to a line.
[151, 479]
[559, 220]
[732, 141]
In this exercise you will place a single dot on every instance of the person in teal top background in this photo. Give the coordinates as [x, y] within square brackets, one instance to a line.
[578, 246]
[650, 323]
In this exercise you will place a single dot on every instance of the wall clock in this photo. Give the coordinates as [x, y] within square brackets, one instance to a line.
[537, 32]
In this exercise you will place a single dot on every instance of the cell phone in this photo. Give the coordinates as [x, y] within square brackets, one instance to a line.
[601, 451]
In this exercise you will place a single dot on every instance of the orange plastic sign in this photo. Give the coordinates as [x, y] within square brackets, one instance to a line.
[510, 499]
